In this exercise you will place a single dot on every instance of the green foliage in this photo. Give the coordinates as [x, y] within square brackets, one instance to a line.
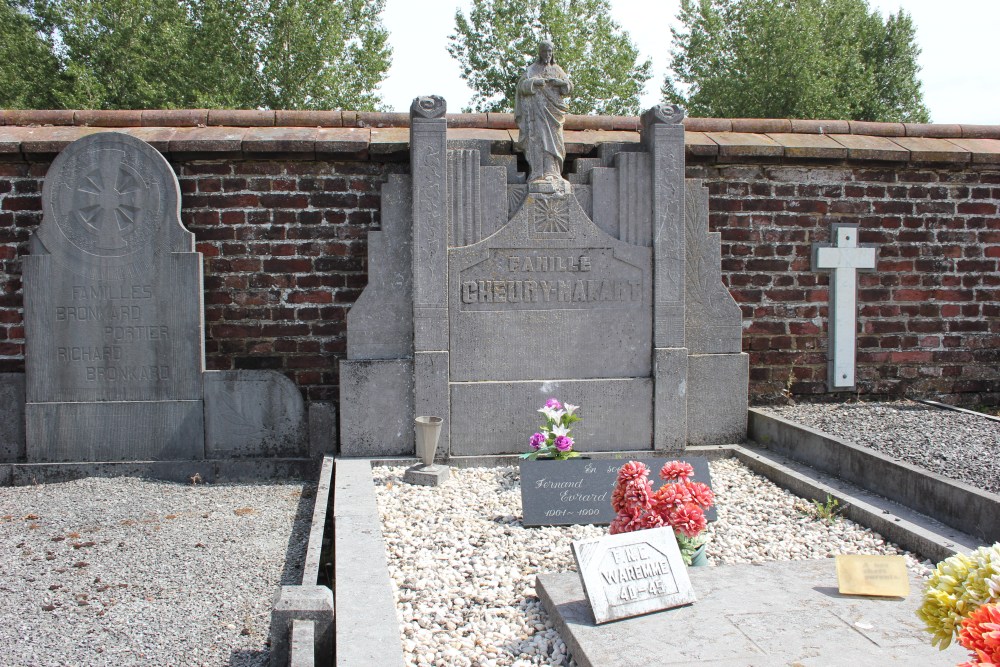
[499, 39]
[28, 67]
[829, 59]
[136, 54]
[828, 511]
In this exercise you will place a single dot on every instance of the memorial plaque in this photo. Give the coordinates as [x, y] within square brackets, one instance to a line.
[578, 491]
[882, 576]
[113, 310]
[631, 574]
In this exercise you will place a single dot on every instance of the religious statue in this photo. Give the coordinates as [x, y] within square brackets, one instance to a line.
[539, 109]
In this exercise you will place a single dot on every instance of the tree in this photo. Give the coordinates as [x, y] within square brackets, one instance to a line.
[135, 54]
[499, 39]
[830, 59]
[26, 60]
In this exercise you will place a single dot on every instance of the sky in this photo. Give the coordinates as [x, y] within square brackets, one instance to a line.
[961, 79]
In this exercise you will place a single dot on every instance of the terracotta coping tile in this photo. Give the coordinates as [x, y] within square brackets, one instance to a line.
[863, 147]
[157, 137]
[52, 139]
[932, 130]
[625, 123]
[984, 151]
[816, 146]
[762, 125]
[280, 140]
[39, 117]
[500, 121]
[241, 117]
[376, 119]
[746, 144]
[708, 124]
[110, 118]
[389, 140]
[980, 131]
[699, 143]
[923, 149]
[309, 118]
[349, 118]
[877, 129]
[174, 117]
[467, 120]
[343, 140]
[574, 122]
[500, 139]
[821, 126]
[207, 140]
[10, 139]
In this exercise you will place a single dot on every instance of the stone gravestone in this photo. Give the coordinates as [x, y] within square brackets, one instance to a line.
[578, 491]
[630, 574]
[113, 311]
[603, 290]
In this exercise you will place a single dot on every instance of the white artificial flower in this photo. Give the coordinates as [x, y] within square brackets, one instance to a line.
[570, 408]
[559, 429]
[554, 415]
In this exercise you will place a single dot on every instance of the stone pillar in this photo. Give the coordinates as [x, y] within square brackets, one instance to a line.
[663, 138]
[429, 166]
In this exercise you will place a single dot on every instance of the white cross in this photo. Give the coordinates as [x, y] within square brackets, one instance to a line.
[845, 258]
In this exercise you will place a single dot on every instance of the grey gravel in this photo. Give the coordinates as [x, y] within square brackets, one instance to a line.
[132, 572]
[954, 444]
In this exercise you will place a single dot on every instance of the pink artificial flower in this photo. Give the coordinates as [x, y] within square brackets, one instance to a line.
[700, 494]
[647, 520]
[563, 443]
[688, 519]
[670, 496]
[553, 404]
[618, 498]
[632, 470]
[676, 470]
[638, 494]
[621, 524]
[980, 634]
[537, 440]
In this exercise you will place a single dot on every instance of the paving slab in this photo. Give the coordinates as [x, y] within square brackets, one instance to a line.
[787, 613]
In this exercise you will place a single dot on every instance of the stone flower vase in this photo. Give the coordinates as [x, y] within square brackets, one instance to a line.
[428, 430]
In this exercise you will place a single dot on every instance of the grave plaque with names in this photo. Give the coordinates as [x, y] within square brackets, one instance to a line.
[578, 491]
[113, 311]
[631, 574]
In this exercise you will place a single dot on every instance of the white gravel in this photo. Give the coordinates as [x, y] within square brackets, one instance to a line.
[957, 445]
[464, 566]
[132, 572]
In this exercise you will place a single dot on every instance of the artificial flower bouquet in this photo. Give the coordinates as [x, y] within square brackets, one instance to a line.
[680, 503]
[962, 600]
[553, 441]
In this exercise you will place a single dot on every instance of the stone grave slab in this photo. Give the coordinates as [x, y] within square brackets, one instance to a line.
[113, 307]
[11, 417]
[775, 614]
[634, 573]
[578, 491]
[253, 413]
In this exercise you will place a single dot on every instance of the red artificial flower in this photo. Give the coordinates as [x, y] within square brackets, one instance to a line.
[632, 470]
[621, 524]
[638, 494]
[676, 470]
[688, 519]
[618, 499]
[700, 494]
[980, 634]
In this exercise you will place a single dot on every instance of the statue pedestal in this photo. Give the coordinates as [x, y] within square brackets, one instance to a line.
[550, 187]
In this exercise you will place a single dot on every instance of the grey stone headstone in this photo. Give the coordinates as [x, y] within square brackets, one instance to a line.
[253, 414]
[113, 310]
[322, 416]
[631, 574]
[11, 417]
[578, 491]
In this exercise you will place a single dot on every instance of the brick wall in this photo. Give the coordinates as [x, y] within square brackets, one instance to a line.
[284, 242]
[929, 316]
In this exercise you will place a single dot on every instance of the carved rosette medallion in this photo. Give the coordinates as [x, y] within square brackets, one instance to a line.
[551, 218]
[104, 201]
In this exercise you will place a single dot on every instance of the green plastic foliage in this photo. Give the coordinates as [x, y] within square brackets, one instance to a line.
[826, 59]
[497, 41]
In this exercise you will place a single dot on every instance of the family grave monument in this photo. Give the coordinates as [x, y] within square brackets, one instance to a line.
[490, 290]
[114, 330]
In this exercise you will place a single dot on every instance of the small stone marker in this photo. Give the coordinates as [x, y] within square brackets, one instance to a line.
[562, 493]
[845, 259]
[883, 576]
[631, 574]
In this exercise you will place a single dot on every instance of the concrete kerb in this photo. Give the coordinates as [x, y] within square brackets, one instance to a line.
[302, 618]
[961, 506]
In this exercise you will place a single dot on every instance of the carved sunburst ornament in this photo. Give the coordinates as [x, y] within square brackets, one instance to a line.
[551, 217]
[109, 210]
